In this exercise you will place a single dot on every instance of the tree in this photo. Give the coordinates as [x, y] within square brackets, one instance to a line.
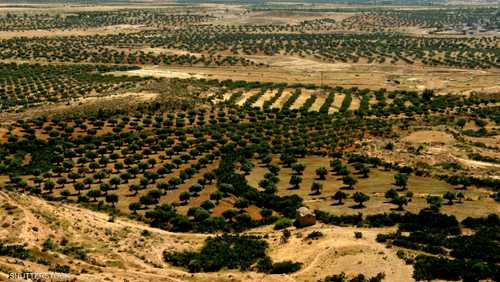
[216, 196]
[266, 160]
[74, 176]
[112, 199]
[434, 202]
[115, 181]
[298, 168]
[335, 164]
[427, 94]
[265, 264]
[360, 198]
[61, 181]
[460, 196]
[391, 194]
[247, 167]
[316, 188]
[88, 181]
[174, 182]
[241, 203]
[49, 185]
[79, 187]
[68, 165]
[208, 205]
[400, 201]
[295, 180]
[200, 214]
[148, 200]
[321, 172]
[461, 122]
[343, 170]
[274, 169]
[339, 196]
[401, 180]
[209, 176]
[450, 196]
[364, 170]
[94, 193]
[134, 207]
[104, 188]
[100, 175]
[266, 213]
[229, 214]
[135, 188]
[184, 197]
[349, 180]
[195, 189]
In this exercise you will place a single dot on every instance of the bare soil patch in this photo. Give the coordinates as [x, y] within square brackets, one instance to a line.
[159, 72]
[429, 136]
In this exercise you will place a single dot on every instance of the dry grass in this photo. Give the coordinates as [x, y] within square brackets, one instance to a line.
[118, 251]
[443, 80]
[429, 136]
[378, 182]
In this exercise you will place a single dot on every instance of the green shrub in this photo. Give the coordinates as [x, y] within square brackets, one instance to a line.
[282, 223]
[285, 267]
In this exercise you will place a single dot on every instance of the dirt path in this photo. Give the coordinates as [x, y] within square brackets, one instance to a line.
[338, 251]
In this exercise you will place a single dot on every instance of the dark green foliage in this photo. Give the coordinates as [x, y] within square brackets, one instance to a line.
[359, 278]
[285, 267]
[430, 221]
[282, 223]
[226, 251]
[338, 220]
[430, 268]
[61, 268]
[314, 235]
[15, 251]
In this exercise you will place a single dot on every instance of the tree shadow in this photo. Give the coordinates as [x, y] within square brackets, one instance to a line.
[346, 188]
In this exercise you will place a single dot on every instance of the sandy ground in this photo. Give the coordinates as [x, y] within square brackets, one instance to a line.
[282, 99]
[245, 96]
[123, 99]
[338, 251]
[338, 99]
[371, 76]
[267, 96]
[72, 32]
[476, 164]
[159, 72]
[302, 98]
[429, 136]
[118, 252]
[320, 100]
[354, 103]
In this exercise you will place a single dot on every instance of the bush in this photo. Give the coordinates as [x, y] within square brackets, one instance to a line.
[359, 278]
[285, 267]
[314, 235]
[282, 223]
[61, 269]
[231, 252]
[226, 251]
[265, 264]
[15, 251]
[48, 244]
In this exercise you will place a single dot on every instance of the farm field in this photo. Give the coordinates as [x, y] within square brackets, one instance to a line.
[250, 141]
